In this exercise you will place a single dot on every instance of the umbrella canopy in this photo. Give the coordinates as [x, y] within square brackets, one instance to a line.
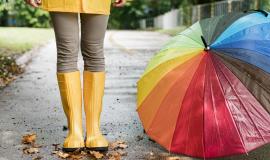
[207, 92]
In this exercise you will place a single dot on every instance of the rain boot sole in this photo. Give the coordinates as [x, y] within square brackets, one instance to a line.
[71, 149]
[100, 149]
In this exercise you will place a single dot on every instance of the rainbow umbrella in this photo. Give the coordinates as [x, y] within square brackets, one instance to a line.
[207, 92]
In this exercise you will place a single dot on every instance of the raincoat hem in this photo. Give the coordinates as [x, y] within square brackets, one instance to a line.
[74, 10]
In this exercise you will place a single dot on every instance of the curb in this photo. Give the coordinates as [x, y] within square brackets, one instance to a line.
[23, 60]
[26, 57]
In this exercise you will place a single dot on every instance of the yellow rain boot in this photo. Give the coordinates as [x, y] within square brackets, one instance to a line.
[93, 91]
[71, 96]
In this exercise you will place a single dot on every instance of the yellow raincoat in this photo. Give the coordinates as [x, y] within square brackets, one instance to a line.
[79, 6]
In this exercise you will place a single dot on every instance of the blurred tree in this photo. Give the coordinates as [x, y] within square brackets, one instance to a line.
[128, 16]
[17, 13]
[264, 4]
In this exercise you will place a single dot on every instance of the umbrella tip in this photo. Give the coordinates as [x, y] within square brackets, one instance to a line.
[206, 46]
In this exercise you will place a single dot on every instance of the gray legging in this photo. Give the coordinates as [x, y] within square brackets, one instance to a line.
[93, 28]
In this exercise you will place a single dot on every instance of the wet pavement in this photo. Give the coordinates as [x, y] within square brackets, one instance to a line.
[32, 102]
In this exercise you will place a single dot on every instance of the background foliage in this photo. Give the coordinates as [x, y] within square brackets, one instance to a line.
[128, 16]
[17, 13]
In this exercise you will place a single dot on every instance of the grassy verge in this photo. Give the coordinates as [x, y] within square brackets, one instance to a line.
[174, 31]
[17, 40]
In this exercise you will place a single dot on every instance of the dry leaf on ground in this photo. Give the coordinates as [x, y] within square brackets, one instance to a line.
[76, 157]
[96, 154]
[36, 145]
[118, 144]
[61, 154]
[29, 138]
[114, 156]
[37, 158]
[30, 150]
[122, 153]
[173, 158]
[123, 146]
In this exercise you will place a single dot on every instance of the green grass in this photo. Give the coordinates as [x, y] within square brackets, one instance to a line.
[17, 40]
[174, 31]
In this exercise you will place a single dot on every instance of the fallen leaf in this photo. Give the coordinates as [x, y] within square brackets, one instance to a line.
[30, 150]
[123, 146]
[36, 145]
[76, 157]
[8, 69]
[29, 138]
[118, 144]
[77, 152]
[96, 154]
[113, 145]
[114, 156]
[61, 154]
[37, 158]
[122, 153]
[173, 158]
[83, 153]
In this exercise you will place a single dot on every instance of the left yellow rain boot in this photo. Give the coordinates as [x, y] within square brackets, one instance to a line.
[93, 91]
[70, 91]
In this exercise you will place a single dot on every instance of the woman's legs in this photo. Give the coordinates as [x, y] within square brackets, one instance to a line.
[66, 29]
[93, 28]
[92, 36]
[67, 39]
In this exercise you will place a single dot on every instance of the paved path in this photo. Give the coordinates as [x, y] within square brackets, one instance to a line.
[32, 102]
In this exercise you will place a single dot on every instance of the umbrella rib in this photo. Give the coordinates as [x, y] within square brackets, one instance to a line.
[223, 50]
[214, 108]
[179, 113]
[233, 42]
[241, 102]
[235, 125]
[189, 115]
[211, 34]
[239, 31]
[251, 77]
[159, 108]
[168, 60]
[207, 75]
[244, 49]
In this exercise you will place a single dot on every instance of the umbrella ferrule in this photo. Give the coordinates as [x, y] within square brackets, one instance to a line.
[206, 46]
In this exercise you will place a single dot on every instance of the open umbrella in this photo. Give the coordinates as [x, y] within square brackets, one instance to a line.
[207, 92]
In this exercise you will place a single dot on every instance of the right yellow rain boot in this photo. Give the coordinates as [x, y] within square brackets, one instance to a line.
[71, 96]
[93, 91]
